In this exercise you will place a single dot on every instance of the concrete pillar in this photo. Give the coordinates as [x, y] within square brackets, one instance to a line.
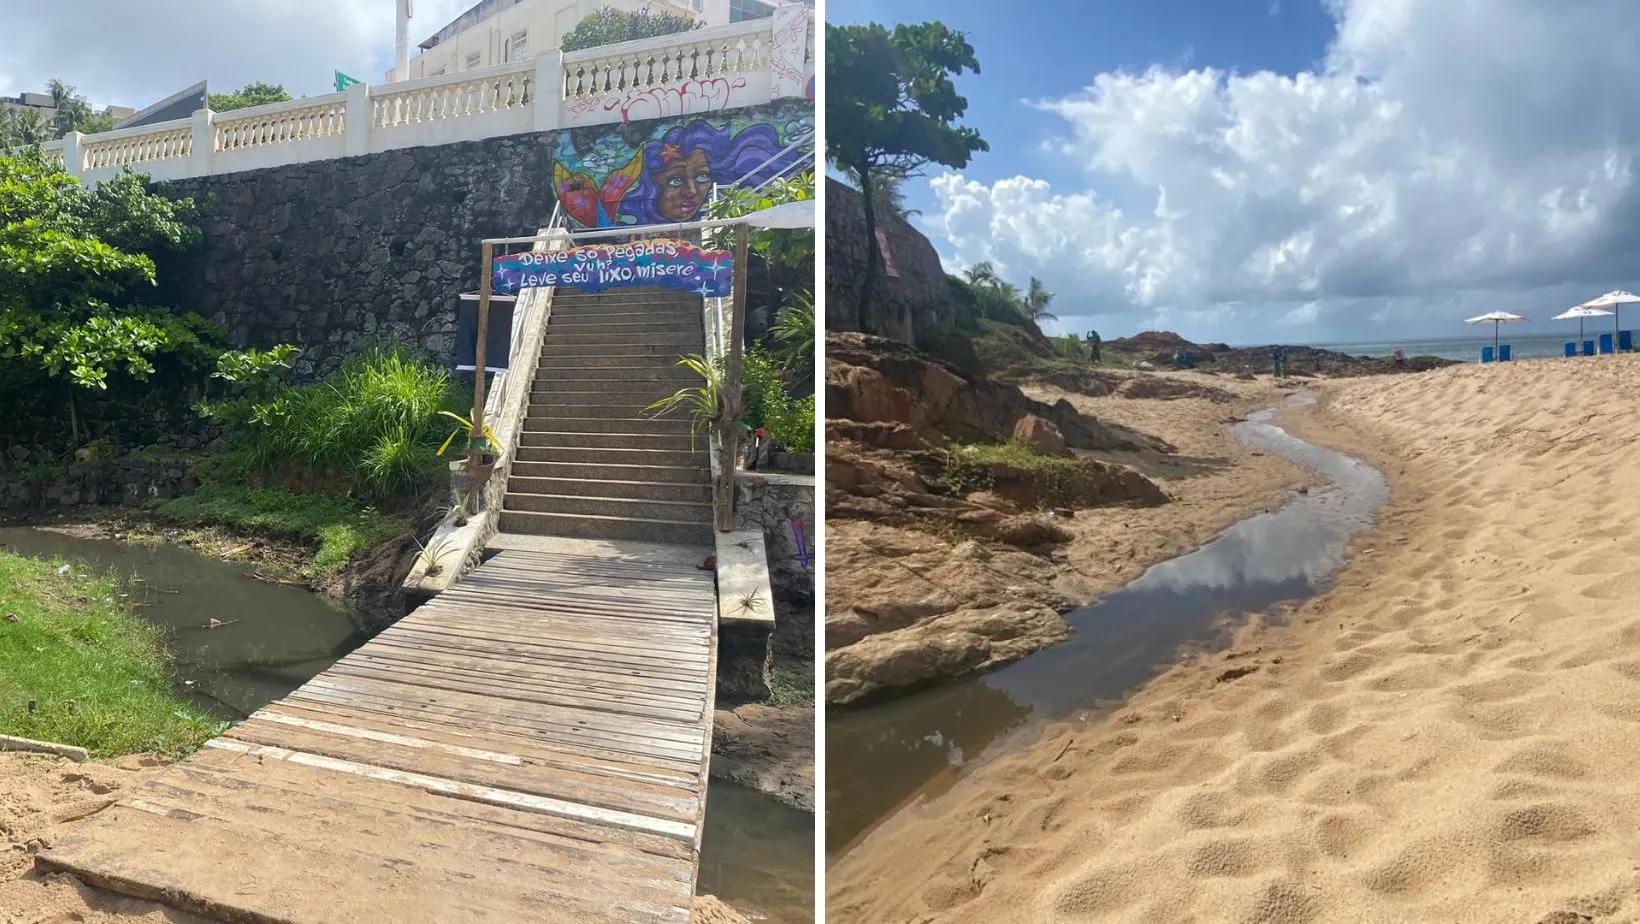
[204, 143]
[360, 114]
[74, 154]
[547, 97]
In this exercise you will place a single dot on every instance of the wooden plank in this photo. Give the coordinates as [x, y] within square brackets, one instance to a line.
[534, 742]
[526, 802]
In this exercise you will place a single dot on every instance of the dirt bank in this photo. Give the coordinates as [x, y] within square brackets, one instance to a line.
[1446, 735]
[913, 599]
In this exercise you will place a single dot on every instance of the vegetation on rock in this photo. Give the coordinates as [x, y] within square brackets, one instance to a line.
[608, 26]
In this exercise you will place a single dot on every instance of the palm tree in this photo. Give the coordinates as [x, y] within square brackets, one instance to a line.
[888, 192]
[23, 127]
[982, 274]
[1037, 298]
[72, 111]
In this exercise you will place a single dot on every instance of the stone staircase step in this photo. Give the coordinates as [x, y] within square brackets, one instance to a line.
[628, 349]
[693, 492]
[573, 440]
[639, 325]
[644, 425]
[614, 455]
[695, 473]
[592, 334]
[612, 409]
[606, 391]
[580, 526]
[663, 375]
[596, 357]
[632, 315]
[628, 507]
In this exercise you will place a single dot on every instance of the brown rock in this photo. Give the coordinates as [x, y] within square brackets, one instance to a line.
[1041, 436]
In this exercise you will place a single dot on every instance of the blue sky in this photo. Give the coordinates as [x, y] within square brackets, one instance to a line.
[1302, 170]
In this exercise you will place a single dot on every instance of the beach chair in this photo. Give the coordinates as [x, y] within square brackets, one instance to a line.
[1571, 348]
[1605, 344]
[1588, 348]
[1503, 353]
[1486, 354]
[1625, 340]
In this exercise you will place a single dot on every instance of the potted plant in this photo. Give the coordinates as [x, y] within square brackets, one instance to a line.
[480, 447]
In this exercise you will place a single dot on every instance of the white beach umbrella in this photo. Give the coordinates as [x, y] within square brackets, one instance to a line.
[1580, 312]
[1615, 300]
[1494, 318]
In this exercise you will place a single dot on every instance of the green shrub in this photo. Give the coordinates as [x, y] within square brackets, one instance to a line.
[376, 419]
[792, 424]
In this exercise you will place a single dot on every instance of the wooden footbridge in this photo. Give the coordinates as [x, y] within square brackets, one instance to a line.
[531, 745]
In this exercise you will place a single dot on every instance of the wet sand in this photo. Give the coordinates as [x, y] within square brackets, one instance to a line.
[1449, 734]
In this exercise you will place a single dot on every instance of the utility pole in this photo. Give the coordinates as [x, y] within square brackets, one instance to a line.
[401, 40]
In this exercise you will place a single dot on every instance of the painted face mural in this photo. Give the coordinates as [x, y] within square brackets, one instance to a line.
[610, 179]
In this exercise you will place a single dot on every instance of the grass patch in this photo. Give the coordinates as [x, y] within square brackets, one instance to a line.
[98, 675]
[340, 526]
[1020, 473]
[1013, 454]
[790, 687]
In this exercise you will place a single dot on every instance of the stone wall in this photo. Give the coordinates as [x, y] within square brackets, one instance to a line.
[128, 481]
[907, 307]
[782, 506]
[334, 255]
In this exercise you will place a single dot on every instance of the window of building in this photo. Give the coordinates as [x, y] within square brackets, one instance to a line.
[742, 10]
[473, 59]
[518, 47]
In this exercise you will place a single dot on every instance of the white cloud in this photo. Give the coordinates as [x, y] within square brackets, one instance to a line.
[133, 53]
[1443, 154]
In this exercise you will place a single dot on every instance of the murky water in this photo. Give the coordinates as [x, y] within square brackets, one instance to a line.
[880, 756]
[271, 638]
[758, 855]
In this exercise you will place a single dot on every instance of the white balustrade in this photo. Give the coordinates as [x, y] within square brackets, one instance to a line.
[147, 144]
[671, 59]
[280, 123]
[706, 70]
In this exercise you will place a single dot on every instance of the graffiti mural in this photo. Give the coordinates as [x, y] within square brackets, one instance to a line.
[663, 173]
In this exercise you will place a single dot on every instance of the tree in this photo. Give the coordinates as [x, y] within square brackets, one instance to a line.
[72, 109]
[22, 127]
[1037, 298]
[982, 274]
[890, 109]
[888, 192]
[608, 26]
[76, 267]
[251, 94]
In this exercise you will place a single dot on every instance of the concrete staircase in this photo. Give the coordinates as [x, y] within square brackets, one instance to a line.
[590, 463]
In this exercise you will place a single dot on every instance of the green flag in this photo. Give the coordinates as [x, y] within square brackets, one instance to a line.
[343, 81]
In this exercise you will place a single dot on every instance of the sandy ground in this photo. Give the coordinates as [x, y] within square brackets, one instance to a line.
[1450, 734]
[964, 606]
[39, 798]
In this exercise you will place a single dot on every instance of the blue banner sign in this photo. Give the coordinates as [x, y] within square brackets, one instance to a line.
[661, 262]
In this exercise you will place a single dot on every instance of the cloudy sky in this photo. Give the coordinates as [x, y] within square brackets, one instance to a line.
[1303, 170]
[137, 52]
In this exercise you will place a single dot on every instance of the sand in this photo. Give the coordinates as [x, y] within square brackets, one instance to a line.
[1451, 734]
[40, 797]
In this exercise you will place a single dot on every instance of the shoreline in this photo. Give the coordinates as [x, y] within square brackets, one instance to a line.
[976, 607]
[1444, 734]
[1045, 744]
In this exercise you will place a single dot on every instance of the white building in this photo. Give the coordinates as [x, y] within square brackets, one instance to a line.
[503, 31]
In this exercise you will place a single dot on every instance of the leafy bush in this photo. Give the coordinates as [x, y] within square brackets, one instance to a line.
[608, 26]
[794, 329]
[76, 273]
[376, 419]
[791, 424]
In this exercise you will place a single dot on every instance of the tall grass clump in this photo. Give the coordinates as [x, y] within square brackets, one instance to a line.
[374, 420]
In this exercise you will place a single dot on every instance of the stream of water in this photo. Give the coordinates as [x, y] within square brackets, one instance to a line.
[880, 757]
[756, 853]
